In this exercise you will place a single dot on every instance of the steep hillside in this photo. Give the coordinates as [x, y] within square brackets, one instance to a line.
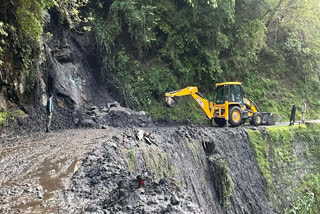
[186, 170]
[289, 160]
[93, 52]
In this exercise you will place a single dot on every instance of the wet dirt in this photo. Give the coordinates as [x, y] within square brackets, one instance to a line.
[95, 171]
[33, 168]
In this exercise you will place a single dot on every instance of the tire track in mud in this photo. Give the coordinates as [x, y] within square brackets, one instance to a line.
[34, 167]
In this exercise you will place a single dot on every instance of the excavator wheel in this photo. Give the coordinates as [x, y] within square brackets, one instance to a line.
[220, 121]
[257, 119]
[235, 116]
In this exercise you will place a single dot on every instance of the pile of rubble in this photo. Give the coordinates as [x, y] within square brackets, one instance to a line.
[112, 115]
[103, 184]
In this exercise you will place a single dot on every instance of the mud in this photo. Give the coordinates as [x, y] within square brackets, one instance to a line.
[95, 171]
[33, 168]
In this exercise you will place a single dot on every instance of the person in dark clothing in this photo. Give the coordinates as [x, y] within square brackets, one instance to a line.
[293, 114]
[49, 112]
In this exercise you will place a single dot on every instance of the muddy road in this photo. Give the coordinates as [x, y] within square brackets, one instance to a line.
[34, 167]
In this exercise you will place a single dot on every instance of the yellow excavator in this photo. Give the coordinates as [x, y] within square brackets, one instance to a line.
[231, 106]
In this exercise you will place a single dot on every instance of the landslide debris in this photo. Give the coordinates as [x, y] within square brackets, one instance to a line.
[183, 169]
[111, 115]
[103, 184]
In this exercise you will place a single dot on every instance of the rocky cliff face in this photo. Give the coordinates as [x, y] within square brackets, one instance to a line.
[65, 64]
[182, 171]
[71, 68]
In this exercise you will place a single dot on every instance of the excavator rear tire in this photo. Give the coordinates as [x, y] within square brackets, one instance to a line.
[220, 121]
[257, 119]
[235, 116]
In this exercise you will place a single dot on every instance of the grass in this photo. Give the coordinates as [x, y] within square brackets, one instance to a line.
[131, 160]
[157, 162]
[5, 116]
[290, 156]
[223, 182]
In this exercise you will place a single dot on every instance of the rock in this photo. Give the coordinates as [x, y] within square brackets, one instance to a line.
[174, 200]
[46, 17]
[139, 134]
[142, 113]
[104, 127]
[105, 109]
[63, 55]
[88, 123]
[76, 121]
[112, 105]
[39, 195]
[113, 145]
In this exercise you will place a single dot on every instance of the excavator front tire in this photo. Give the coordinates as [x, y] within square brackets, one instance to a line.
[220, 121]
[235, 116]
[257, 119]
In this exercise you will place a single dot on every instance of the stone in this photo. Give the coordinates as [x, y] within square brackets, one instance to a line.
[139, 134]
[88, 123]
[39, 195]
[104, 127]
[63, 55]
[174, 200]
[142, 113]
[112, 105]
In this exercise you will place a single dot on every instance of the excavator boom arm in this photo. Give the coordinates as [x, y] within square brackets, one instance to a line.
[205, 105]
[182, 92]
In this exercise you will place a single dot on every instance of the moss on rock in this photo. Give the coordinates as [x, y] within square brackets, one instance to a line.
[223, 181]
[289, 160]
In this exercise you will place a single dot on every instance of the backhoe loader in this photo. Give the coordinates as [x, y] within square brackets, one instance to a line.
[231, 105]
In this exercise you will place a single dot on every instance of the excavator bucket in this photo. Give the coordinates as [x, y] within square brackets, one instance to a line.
[171, 102]
[267, 118]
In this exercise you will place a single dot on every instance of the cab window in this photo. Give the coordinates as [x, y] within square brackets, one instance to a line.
[222, 94]
[236, 93]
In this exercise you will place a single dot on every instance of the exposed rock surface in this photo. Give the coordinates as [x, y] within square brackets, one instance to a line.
[53, 173]
[179, 177]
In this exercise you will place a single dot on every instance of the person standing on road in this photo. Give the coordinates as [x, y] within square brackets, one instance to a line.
[293, 114]
[304, 110]
[49, 112]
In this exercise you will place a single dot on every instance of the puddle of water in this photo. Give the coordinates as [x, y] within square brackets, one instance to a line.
[50, 177]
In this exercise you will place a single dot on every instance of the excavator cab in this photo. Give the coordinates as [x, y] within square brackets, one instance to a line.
[229, 92]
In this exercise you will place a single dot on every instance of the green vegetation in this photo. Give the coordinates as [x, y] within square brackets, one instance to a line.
[289, 160]
[157, 162]
[131, 160]
[223, 181]
[6, 116]
[21, 30]
[195, 149]
[3, 34]
[152, 47]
